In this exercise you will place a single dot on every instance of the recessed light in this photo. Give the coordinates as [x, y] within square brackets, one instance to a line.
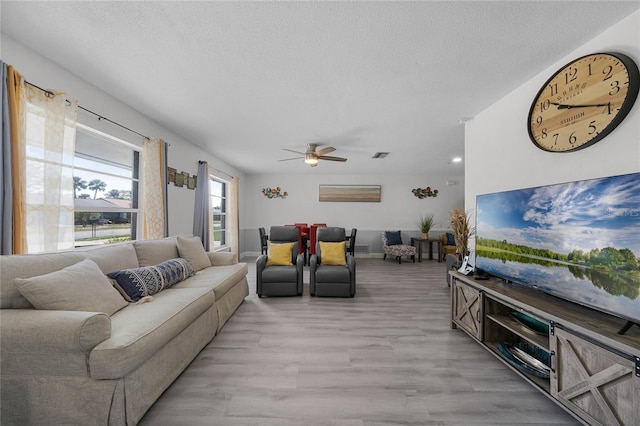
[456, 159]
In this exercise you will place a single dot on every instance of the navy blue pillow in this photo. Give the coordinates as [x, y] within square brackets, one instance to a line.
[393, 238]
[451, 241]
[134, 284]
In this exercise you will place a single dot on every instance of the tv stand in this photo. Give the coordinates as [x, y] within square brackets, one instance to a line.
[627, 326]
[593, 372]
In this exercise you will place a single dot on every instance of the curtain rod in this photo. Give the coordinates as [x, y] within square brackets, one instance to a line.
[220, 171]
[49, 93]
[213, 168]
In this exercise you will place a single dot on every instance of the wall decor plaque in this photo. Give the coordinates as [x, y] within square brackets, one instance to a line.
[350, 193]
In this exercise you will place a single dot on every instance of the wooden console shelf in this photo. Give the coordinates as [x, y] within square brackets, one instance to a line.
[593, 372]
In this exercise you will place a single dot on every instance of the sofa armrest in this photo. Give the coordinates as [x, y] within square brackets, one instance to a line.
[31, 330]
[222, 258]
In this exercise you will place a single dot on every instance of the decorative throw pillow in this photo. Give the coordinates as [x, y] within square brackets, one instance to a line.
[393, 238]
[451, 241]
[333, 253]
[79, 287]
[279, 254]
[193, 250]
[140, 282]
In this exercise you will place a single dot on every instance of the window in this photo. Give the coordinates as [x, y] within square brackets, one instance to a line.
[105, 182]
[218, 204]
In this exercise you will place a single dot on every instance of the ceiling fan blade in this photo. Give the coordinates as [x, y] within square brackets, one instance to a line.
[324, 151]
[294, 158]
[295, 152]
[331, 158]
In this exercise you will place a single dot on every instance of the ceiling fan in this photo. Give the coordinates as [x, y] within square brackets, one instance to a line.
[312, 155]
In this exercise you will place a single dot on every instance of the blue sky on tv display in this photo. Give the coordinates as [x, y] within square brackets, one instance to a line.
[583, 215]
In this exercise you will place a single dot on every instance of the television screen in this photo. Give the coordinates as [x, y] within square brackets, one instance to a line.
[579, 241]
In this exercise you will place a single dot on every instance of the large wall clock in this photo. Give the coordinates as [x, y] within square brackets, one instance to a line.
[583, 102]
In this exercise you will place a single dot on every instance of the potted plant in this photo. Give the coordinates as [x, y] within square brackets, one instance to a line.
[425, 224]
[462, 230]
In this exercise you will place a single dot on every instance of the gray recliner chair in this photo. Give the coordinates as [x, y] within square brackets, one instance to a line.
[331, 280]
[280, 280]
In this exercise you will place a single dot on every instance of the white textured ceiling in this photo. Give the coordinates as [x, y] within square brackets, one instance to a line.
[244, 80]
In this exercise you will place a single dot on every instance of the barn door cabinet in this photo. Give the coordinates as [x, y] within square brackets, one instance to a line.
[466, 308]
[594, 373]
[596, 383]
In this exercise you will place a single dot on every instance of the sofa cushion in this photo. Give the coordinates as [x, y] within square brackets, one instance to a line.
[113, 257]
[279, 254]
[137, 283]
[218, 258]
[331, 274]
[193, 250]
[333, 253]
[393, 238]
[220, 278]
[79, 287]
[153, 252]
[139, 331]
[280, 274]
[26, 266]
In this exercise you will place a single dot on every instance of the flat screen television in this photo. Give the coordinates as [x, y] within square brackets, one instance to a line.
[579, 241]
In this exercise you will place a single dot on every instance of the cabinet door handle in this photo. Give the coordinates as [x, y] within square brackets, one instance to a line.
[478, 316]
[552, 361]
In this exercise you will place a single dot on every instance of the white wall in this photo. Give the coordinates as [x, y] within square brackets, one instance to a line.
[183, 155]
[398, 209]
[500, 156]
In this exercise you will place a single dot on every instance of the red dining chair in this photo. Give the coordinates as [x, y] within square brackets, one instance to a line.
[313, 232]
[302, 239]
[304, 227]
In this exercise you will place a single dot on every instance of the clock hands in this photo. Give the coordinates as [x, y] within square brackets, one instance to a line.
[564, 106]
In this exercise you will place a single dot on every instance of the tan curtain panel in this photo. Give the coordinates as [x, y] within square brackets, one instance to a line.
[153, 182]
[15, 87]
[234, 230]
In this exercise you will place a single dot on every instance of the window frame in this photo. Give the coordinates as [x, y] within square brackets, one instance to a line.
[224, 238]
[134, 211]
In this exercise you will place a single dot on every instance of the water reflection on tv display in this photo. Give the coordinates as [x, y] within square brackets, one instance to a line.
[578, 240]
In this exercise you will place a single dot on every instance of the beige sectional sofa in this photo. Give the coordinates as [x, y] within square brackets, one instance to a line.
[77, 367]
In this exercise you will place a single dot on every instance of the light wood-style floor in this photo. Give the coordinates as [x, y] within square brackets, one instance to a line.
[386, 357]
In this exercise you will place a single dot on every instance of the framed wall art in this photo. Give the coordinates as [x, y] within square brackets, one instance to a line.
[350, 193]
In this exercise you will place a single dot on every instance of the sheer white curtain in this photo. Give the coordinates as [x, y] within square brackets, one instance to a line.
[154, 181]
[49, 148]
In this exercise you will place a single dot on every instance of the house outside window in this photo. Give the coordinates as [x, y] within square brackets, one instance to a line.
[218, 190]
[106, 187]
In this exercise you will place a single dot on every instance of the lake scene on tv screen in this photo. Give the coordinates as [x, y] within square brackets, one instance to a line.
[579, 240]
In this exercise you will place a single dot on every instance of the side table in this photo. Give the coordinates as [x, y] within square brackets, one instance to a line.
[430, 241]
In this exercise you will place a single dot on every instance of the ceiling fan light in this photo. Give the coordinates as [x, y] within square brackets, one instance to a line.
[310, 159]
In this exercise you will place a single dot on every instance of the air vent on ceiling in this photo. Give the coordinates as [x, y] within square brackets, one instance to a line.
[380, 154]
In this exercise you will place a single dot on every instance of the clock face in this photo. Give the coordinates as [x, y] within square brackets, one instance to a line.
[583, 102]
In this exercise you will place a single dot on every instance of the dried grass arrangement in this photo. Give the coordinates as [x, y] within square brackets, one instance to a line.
[462, 230]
